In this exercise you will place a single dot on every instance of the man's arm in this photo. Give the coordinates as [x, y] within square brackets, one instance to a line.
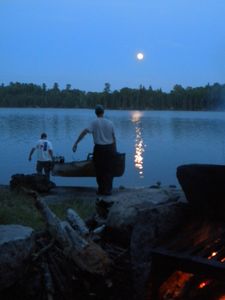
[31, 153]
[50, 151]
[114, 141]
[82, 134]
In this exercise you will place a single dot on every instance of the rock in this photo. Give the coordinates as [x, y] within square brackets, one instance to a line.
[151, 224]
[39, 183]
[203, 185]
[16, 245]
[103, 207]
[128, 204]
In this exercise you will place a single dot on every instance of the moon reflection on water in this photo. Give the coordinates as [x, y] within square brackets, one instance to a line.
[139, 143]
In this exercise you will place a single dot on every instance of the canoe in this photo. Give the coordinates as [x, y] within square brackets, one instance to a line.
[85, 168]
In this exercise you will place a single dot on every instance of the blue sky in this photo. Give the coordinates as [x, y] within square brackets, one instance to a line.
[87, 43]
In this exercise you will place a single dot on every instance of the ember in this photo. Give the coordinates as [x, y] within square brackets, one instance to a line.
[190, 268]
[212, 255]
[172, 288]
[203, 284]
[188, 264]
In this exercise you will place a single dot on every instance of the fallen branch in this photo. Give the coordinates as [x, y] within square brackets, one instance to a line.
[86, 254]
[76, 222]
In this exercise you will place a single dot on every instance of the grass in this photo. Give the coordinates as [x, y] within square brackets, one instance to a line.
[18, 208]
[84, 208]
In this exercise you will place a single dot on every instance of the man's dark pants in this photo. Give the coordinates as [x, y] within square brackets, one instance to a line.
[103, 160]
[43, 165]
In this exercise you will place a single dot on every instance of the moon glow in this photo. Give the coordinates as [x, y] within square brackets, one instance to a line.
[140, 56]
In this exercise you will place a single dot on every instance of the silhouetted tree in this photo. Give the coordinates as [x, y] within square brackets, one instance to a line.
[210, 97]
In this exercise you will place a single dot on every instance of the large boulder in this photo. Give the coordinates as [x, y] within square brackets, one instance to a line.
[136, 218]
[128, 204]
[203, 185]
[16, 245]
[152, 225]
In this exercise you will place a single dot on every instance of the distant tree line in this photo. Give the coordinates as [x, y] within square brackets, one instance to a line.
[210, 97]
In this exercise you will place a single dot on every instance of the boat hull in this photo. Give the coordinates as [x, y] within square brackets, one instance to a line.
[85, 168]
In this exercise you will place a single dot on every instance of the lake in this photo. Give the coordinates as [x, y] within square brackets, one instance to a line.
[155, 142]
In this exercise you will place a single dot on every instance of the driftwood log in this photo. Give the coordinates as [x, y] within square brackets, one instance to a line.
[85, 253]
[77, 223]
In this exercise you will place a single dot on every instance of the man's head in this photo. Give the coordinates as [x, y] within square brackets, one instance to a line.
[43, 135]
[99, 109]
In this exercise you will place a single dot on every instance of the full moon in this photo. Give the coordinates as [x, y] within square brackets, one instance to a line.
[140, 56]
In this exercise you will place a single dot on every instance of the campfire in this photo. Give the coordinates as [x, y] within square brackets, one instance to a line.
[189, 263]
[175, 250]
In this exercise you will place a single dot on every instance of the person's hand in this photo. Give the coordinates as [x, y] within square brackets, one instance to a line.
[74, 148]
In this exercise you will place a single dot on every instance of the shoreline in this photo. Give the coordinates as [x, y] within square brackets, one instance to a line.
[120, 195]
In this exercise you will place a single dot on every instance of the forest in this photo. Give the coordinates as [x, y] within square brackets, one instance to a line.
[209, 97]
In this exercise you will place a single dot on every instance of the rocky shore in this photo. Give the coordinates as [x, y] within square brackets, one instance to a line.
[131, 218]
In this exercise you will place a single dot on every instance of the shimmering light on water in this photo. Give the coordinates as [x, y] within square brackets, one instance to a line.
[155, 142]
[139, 143]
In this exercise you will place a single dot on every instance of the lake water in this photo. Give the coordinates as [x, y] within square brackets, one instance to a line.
[155, 142]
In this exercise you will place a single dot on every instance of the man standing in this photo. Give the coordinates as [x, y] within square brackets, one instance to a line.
[44, 155]
[104, 139]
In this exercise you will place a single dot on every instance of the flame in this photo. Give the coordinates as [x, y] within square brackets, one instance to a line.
[222, 297]
[212, 255]
[223, 259]
[173, 286]
[203, 284]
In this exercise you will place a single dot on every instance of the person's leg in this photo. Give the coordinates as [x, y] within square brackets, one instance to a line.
[39, 167]
[108, 170]
[99, 165]
[47, 168]
[103, 157]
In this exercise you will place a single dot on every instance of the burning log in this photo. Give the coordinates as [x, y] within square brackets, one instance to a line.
[86, 254]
